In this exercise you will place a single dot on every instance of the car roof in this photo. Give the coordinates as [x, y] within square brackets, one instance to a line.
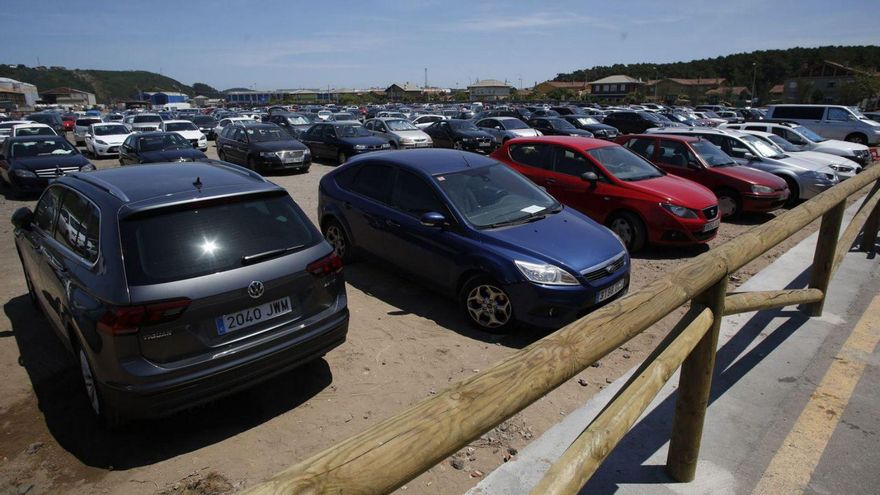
[161, 184]
[583, 143]
[19, 139]
[29, 124]
[676, 137]
[430, 161]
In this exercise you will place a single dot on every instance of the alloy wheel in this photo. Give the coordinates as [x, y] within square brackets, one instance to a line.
[623, 229]
[488, 306]
[727, 205]
[89, 381]
[336, 239]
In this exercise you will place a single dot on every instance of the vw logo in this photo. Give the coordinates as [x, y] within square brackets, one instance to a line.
[255, 289]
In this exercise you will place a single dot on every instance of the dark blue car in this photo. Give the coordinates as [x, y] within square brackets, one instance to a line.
[477, 230]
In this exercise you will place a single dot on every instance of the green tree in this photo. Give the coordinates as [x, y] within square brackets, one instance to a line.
[864, 87]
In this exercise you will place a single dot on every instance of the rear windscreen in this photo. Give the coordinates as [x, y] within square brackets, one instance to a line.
[181, 244]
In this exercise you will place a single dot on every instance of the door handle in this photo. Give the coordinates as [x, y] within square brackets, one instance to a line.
[391, 223]
[55, 264]
[551, 180]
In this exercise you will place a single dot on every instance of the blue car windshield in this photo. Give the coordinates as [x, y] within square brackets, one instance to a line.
[496, 195]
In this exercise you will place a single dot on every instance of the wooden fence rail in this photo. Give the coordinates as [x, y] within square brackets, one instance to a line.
[389, 454]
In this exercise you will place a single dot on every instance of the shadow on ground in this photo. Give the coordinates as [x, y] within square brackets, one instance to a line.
[62, 401]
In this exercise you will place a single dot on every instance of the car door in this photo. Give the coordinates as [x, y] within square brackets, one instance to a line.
[239, 145]
[368, 209]
[74, 248]
[330, 142]
[34, 240]
[127, 151]
[535, 161]
[677, 159]
[837, 123]
[544, 126]
[312, 139]
[595, 200]
[494, 128]
[433, 254]
[441, 133]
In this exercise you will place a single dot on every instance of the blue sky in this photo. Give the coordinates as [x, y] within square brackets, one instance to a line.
[294, 44]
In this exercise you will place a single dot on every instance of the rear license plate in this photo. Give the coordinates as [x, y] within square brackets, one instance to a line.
[252, 316]
[292, 159]
[484, 145]
[610, 290]
[712, 225]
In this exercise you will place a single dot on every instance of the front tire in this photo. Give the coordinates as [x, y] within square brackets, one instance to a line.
[487, 305]
[857, 138]
[794, 193]
[341, 158]
[729, 203]
[630, 229]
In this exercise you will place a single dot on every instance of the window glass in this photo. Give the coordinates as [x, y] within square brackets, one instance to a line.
[624, 164]
[532, 154]
[164, 246]
[77, 226]
[414, 196]
[674, 153]
[642, 146]
[374, 181]
[789, 136]
[47, 208]
[838, 114]
[570, 163]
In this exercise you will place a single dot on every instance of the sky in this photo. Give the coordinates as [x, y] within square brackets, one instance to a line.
[277, 44]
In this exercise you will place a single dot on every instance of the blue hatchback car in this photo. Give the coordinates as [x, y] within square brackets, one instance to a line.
[477, 230]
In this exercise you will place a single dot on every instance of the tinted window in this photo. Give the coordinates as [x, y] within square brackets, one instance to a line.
[674, 153]
[87, 122]
[374, 181]
[642, 146]
[414, 196]
[181, 244]
[533, 155]
[624, 164]
[77, 226]
[570, 163]
[814, 113]
[838, 114]
[181, 126]
[47, 208]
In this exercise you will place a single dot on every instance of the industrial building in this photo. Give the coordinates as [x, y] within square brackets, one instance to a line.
[68, 97]
[17, 95]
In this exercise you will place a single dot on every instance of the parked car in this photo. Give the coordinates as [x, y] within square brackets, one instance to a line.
[294, 123]
[247, 290]
[157, 147]
[829, 121]
[144, 122]
[81, 128]
[230, 120]
[731, 116]
[105, 139]
[206, 124]
[28, 163]
[68, 121]
[617, 188]
[631, 122]
[6, 128]
[807, 140]
[51, 119]
[423, 121]
[805, 179]
[476, 230]
[739, 189]
[591, 125]
[262, 148]
[114, 117]
[31, 129]
[556, 126]
[844, 168]
[399, 132]
[460, 135]
[340, 141]
[504, 128]
[189, 130]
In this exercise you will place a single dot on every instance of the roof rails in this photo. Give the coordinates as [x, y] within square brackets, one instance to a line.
[100, 184]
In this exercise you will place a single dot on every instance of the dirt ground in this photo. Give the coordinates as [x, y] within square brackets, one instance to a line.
[404, 343]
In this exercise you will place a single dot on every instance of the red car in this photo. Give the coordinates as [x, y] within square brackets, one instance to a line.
[68, 121]
[738, 188]
[618, 188]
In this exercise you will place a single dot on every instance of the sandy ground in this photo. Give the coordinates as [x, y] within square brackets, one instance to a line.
[404, 344]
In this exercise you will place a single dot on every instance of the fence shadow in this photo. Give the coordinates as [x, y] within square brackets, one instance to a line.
[626, 465]
[63, 403]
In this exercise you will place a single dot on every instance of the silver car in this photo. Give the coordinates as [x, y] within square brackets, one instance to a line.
[805, 178]
[402, 134]
[504, 128]
[81, 128]
[830, 121]
[144, 122]
[807, 140]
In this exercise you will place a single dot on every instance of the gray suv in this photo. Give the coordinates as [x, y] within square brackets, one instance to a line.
[175, 284]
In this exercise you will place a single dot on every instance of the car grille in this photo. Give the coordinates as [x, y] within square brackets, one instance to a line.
[52, 172]
[146, 128]
[605, 270]
[113, 149]
[290, 154]
[710, 212]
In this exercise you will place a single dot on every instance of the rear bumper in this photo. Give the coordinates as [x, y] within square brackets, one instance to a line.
[165, 396]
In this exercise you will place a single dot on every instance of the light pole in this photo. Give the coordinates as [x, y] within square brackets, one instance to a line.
[754, 76]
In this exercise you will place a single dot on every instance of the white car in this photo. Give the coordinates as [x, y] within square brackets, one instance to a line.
[845, 168]
[252, 116]
[423, 121]
[188, 130]
[32, 129]
[325, 115]
[225, 122]
[81, 128]
[6, 128]
[807, 140]
[144, 122]
[105, 139]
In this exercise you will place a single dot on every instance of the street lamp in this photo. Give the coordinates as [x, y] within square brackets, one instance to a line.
[754, 76]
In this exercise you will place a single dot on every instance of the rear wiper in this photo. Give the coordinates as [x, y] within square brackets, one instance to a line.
[254, 258]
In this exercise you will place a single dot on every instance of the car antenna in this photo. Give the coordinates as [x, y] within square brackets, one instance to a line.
[198, 183]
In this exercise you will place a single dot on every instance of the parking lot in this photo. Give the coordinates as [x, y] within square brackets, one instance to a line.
[404, 344]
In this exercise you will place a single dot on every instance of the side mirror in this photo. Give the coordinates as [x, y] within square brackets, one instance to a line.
[750, 157]
[693, 164]
[433, 219]
[590, 177]
[23, 218]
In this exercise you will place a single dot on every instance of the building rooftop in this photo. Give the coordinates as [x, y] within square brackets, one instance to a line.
[617, 79]
[488, 83]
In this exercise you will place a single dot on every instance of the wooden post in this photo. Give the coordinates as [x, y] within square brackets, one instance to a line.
[823, 259]
[693, 391]
[869, 234]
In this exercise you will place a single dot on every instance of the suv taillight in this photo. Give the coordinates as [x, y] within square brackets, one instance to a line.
[325, 266]
[128, 319]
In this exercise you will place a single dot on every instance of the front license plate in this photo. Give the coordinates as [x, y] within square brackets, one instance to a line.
[610, 290]
[712, 225]
[252, 316]
[295, 159]
[484, 145]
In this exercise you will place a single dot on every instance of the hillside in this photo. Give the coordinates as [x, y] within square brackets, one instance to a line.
[108, 85]
[773, 66]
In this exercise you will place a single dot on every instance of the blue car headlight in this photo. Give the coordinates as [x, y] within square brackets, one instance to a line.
[25, 174]
[88, 167]
[545, 274]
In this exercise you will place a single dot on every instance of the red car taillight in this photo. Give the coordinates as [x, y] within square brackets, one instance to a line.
[128, 319]
[325, 266]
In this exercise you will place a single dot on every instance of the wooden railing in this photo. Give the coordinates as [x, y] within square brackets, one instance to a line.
[395, 451]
